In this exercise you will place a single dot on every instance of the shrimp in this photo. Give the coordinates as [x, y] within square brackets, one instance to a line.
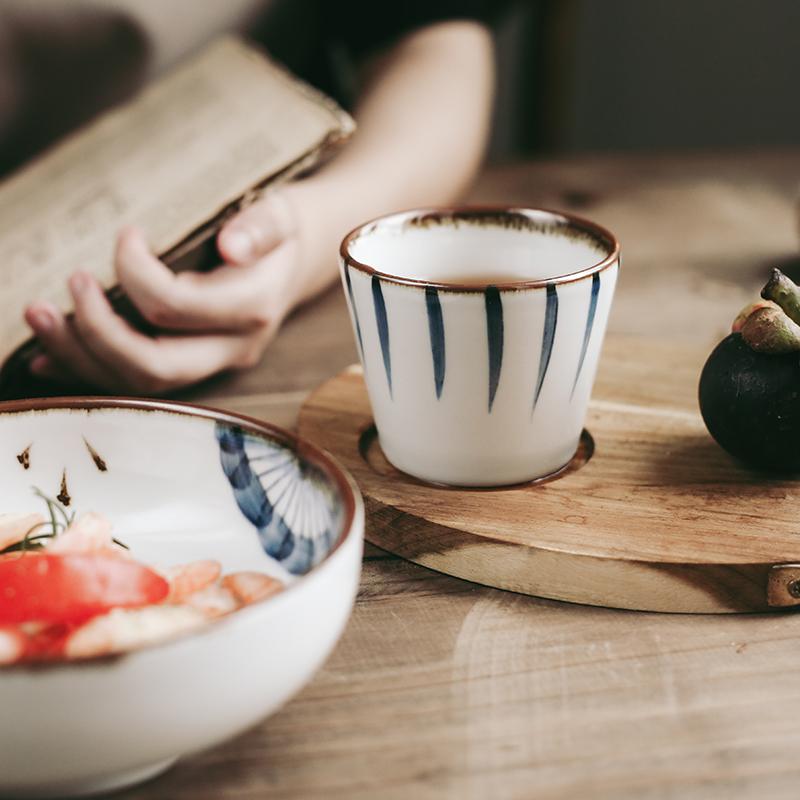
[90, 533]
[12, 645]
[44, 642]
[186, 579]
[13, 527]
[213, 601]
[249, 587]
[126, 629]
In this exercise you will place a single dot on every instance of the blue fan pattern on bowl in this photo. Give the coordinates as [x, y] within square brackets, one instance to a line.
[291, 503]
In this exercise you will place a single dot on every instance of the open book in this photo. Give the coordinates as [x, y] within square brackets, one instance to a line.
[177, 161]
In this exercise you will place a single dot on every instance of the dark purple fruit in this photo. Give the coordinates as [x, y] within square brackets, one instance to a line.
[750, 385]
[750, 402]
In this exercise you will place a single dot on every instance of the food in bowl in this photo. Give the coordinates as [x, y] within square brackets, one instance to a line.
[182, 484]
[69, 590]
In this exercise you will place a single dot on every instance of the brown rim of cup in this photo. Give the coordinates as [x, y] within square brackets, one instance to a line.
[489, 215]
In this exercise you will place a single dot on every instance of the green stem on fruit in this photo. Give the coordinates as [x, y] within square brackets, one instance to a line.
[785, 293]
[770, 330]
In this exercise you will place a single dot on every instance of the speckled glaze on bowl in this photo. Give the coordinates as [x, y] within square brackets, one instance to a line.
[179, 483]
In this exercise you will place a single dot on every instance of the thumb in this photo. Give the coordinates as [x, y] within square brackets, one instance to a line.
[257, 229]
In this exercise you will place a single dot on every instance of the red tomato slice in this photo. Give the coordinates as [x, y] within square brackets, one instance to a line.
[48, 644]
[73, 587]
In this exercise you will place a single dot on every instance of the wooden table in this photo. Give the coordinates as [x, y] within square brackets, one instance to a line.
[444, 689]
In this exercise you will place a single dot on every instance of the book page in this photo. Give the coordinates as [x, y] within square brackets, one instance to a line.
[182, 151]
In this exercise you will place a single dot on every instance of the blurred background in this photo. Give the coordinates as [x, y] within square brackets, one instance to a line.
[574, 75]
[586, 75]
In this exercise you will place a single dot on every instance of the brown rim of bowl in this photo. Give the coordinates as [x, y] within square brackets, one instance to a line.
[470, 213]
[320, 458]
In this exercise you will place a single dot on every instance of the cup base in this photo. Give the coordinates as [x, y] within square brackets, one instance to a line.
[375, 453]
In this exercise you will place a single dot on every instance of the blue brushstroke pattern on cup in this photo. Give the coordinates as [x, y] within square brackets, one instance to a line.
[550, 322]
[436, 330]
[589, 323]
[494, 333]
[382, 321]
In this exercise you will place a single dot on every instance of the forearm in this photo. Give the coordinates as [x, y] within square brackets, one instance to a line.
[423, 122]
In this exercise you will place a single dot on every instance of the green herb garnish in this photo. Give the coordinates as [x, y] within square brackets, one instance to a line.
[37, 541]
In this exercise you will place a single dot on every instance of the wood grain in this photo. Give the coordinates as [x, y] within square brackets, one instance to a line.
[659, 519]
[444, 690]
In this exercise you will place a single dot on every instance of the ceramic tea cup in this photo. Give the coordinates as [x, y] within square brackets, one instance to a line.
[479, 330]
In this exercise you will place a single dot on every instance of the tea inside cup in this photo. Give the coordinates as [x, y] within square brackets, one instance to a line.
[477, 248]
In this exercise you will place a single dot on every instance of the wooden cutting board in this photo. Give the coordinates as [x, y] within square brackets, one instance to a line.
[651, 515]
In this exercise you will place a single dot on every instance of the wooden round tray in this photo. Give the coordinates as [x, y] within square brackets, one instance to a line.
[651, 515]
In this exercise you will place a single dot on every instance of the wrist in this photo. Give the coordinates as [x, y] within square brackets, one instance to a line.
[321, 222]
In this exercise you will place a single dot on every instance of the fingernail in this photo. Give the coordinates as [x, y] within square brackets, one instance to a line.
[79, 282]
[42, 320]
[238, 244]
[40, 364]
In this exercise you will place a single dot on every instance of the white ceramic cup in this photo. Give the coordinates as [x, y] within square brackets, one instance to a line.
[479, 330]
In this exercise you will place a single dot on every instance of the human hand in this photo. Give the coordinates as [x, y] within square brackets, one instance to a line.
[207, 322]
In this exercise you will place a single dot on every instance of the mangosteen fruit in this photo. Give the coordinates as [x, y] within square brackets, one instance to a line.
[750, 384]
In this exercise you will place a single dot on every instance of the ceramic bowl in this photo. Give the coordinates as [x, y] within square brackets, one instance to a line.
[480, 331]
[179, 483]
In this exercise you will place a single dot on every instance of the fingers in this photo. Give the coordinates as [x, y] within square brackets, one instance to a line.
[64, 347]
[227, 299]
[237, 308]
[105, 334]
[153, 365]
[44, 366]
[256, 230]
